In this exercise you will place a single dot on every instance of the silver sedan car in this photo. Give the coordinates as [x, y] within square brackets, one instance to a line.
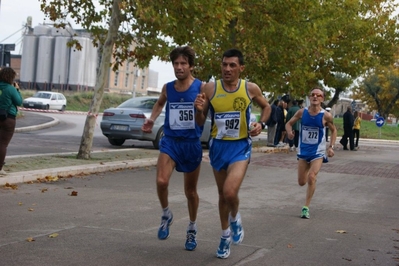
[125, 121]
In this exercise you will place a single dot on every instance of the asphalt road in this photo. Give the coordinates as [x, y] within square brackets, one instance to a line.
[61, 132]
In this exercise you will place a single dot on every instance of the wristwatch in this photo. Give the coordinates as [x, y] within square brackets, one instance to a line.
[263, 124]
[332, 147]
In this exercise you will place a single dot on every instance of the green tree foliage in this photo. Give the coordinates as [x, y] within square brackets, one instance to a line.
[289, 45]
[380, 90]
[152, 25]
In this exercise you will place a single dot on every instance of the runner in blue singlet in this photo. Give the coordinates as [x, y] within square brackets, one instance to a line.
[312, 144]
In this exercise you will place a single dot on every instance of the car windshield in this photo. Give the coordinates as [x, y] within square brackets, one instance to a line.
[42, 95]
[141, 103]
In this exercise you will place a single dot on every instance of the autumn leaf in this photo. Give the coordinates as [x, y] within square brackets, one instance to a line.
[341, 231]
[290, 246]
[54, 235]
[8, 185]
[30, 239]
[20, 203]
[30, 209]
[74, 193]
[44, 190]
[51, 178]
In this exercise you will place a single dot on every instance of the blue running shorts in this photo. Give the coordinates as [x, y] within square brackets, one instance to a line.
[186, 153]
[222, 153]
[310, 158]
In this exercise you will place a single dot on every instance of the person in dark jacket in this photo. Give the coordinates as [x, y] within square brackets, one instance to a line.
[10, 98]
[280, 128]
[295, 127]
[348, 130]
[271, 124]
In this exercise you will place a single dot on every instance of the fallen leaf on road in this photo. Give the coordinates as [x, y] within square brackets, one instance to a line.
[74, 193]
[51, 178]
[290, 246]
[30, 209]
[341, 231]
[8, 185]
[30, 239]
[53, 235]
[19, 203]
[44, 190]
[68, 187]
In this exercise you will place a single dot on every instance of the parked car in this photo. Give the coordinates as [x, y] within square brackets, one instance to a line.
[125, 121]
[46, 100]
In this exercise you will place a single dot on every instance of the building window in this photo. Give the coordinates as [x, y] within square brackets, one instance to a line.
[127, 66]
[116, 78]
[127, 79]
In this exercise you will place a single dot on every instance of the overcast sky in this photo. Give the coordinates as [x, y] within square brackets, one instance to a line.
[14, 13]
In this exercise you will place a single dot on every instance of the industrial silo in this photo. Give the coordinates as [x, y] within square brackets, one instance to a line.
[44, 56]
[44, 63]
[92, 63]
[28, 61]
[77, 65]
[61, 57]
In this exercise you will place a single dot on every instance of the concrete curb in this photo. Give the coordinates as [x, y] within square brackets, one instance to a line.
[51, 173]
[37, 127]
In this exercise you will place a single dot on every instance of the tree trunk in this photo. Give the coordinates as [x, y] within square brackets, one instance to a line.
[335, 97]
[86, 142]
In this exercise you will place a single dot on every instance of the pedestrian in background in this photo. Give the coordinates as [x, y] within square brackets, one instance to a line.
[10, 98]
[271, 124]
[328, 109]
[180, 147]
[280, 129]
[356, 128]
[348, 121]
[295, 127]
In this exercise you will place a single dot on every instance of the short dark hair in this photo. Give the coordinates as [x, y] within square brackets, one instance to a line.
[7, 75]
[235, 53]
[185, 51]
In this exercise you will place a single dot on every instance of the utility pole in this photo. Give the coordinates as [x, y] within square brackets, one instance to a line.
[5, 55]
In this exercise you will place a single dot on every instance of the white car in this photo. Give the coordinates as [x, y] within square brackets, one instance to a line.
[46, 100]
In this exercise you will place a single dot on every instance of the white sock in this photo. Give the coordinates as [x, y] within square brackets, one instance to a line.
[234, 219]
[166, 212]
[226, 233]
[192, 226]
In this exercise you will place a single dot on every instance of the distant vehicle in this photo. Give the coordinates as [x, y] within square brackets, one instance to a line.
[125, 121]
[46, 100]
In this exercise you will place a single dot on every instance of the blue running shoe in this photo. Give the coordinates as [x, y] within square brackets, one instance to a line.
[224, 248]
[163, 231]
[191, 241]
[237, 232]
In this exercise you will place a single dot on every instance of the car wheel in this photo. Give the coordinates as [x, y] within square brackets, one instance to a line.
[116, 142]
[47, 107]
[63, 108]
[158, 138]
